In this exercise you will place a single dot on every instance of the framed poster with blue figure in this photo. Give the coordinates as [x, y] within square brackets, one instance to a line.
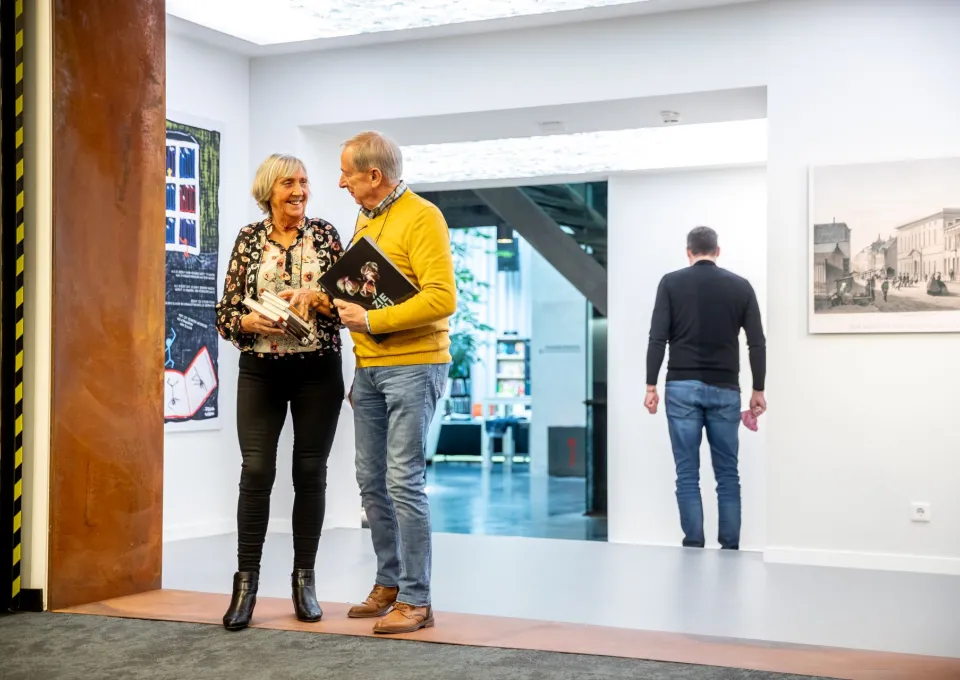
[192, 238]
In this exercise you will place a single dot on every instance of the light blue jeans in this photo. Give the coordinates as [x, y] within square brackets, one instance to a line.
[392, 410]
[693, 406]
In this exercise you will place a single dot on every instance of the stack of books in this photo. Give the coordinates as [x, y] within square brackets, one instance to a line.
[283, 316]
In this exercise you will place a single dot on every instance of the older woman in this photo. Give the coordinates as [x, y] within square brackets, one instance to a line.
[285, 253]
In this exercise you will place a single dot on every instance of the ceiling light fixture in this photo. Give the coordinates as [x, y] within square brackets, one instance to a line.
[670, 117]
[288, 21]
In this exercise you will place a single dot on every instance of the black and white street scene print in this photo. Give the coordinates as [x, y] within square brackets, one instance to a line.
[885, 241]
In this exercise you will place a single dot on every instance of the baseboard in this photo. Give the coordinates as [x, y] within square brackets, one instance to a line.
[183, 532]
[861, 560]
[31, 600]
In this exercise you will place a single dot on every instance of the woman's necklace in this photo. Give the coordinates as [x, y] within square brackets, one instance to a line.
[287, 255]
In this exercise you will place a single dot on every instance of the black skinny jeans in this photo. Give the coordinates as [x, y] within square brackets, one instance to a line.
[313, 388]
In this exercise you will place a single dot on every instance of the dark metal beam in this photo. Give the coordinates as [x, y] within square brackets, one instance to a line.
[566, 206]
[460, 198]
[594, 216]
[556, 246]
[466, 219]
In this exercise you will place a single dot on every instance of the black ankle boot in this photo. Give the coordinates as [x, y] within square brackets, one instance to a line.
[305, 595]
[245, 584]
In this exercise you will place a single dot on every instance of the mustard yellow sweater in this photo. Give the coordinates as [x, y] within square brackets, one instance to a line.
[415, 236]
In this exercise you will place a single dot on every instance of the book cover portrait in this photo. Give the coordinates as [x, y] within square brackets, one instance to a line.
[366, 276]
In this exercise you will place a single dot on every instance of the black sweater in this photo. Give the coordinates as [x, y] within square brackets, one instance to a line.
[700, 311]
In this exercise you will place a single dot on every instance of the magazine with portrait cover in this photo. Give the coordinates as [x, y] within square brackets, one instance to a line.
[366, 276]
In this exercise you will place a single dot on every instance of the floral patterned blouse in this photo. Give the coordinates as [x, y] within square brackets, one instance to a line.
[259, 263]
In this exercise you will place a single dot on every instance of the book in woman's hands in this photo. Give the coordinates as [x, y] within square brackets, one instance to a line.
[366, 276]
[279, 311]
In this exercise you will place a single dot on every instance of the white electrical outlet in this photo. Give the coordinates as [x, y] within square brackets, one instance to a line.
[920, 512]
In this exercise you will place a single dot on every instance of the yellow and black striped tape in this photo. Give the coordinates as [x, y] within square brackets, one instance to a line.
[18, 315]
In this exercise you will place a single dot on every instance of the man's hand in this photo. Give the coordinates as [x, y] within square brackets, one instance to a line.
[254, 323]
[652, 400]
[758, 403]
[352, 315]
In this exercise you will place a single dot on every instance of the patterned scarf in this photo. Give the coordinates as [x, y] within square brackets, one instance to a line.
[385, 203]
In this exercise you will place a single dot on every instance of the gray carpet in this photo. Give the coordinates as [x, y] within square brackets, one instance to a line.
[66, 647]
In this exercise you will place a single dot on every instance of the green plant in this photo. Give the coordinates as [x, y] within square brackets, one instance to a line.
[463, 353]
[465, 325]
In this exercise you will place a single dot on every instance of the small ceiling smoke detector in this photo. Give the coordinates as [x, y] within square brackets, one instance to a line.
[550, 127]
[670, 117]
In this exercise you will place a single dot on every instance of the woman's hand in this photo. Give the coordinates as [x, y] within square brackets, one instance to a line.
[302, 299]
[254, 323]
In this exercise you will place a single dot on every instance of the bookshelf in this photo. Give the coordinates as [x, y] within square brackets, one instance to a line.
[513, 367]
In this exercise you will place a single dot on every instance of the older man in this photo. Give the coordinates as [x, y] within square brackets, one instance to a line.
[398, 380]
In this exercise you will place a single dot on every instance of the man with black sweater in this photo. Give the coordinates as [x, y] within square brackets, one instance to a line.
[699, 311]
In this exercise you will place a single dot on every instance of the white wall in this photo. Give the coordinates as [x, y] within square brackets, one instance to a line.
[867, 424]
[211, 89]
[648, 219]
[659, 54]
[558, 357]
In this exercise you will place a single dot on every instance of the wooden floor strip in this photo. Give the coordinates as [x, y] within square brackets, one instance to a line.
[508, 633]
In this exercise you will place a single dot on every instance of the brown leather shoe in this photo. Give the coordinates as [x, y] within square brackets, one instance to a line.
[377, 604]
[405, 618]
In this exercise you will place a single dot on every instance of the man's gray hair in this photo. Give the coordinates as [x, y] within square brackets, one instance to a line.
[373, 149]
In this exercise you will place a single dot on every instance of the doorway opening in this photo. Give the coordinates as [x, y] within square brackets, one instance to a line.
[518, 445]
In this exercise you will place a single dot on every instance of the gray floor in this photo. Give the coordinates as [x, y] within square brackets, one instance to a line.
[467, 500]
[48, 646]
[706, 592]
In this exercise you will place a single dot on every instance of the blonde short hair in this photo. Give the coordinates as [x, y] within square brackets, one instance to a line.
[373, 149]
[273, 168]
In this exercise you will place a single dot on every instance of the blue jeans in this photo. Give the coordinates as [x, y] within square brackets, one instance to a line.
[691, 406]
[393, 407]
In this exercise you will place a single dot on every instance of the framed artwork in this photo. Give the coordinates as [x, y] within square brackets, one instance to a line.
[191, 347]
[885, 247]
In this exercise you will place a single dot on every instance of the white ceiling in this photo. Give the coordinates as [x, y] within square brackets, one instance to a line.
[267, 27]
[621, 114]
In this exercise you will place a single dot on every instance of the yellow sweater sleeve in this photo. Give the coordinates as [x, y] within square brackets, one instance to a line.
[432, 264]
